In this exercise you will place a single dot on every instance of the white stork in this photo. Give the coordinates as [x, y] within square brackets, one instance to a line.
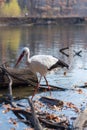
[41, 64]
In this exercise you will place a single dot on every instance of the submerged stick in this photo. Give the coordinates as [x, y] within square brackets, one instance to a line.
[78, 53]
[62, 51]
[52, 87]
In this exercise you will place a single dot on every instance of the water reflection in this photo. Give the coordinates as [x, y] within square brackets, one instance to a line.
[49, 40]
[9, 42]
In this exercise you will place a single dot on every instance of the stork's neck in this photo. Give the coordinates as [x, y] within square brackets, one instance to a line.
[28, 58]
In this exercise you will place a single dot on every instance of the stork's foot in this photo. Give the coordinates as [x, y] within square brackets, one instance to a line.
[48, 89]
[35, 91]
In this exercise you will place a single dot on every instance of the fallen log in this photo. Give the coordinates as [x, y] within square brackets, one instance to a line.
[19, 77]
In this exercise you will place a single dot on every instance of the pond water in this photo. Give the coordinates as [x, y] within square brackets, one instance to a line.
[47, 40]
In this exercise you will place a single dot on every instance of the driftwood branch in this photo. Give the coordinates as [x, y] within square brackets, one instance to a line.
[51, 101]
[37, 125]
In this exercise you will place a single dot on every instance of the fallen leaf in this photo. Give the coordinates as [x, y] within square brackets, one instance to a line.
[53, 117]
[56, 108]
[85, 83]
[65, 73]
[28, 129]
[79, 91]
[72, 106]
[13, 121]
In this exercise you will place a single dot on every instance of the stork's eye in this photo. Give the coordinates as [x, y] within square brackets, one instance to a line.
[24, 52]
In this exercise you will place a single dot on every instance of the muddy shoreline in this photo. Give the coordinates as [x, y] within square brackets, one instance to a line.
[40, 21]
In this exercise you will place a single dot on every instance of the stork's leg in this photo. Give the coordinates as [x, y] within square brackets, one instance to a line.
[38, 85]
[47, 84]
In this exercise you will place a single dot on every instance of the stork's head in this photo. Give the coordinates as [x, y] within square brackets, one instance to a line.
[25, 51]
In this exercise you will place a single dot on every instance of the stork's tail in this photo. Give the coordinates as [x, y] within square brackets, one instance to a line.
[59, 63]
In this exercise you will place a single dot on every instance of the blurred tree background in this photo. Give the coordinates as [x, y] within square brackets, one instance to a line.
[42, 8]
[10, 8]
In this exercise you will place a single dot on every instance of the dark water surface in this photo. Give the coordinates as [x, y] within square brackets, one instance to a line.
[48, 40]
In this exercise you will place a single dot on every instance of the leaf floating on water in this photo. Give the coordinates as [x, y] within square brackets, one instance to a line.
[65, 73]
[13, 121]
[53, 117]
[7, 108]
[79, 91]
[57, 108]
[72, 106]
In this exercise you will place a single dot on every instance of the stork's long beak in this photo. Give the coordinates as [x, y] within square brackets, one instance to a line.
[19, 59]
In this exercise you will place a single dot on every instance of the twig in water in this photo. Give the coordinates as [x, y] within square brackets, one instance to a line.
[77, 53]
[62, 51]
